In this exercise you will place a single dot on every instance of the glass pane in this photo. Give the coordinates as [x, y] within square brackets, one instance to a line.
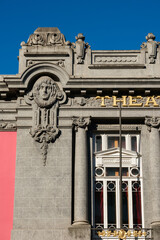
[112, 171]
[98, 143]
[111, 202]
[123, 142]
[136, 195]
[134, 143]
[113, 142]
[124, 171]
[125, 202]
[99, 203]
[115, 172]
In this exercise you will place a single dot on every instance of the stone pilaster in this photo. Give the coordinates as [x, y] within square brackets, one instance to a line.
[81, 171]
[153, 125]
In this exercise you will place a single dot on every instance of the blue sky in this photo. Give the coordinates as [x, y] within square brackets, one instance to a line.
[106, 24]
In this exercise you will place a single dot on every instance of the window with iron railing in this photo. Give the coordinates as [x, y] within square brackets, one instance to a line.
[106, 182]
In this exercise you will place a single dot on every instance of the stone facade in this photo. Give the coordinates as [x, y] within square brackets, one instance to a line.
[63, 94]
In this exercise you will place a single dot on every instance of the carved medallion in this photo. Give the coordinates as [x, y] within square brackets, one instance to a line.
[45, 98]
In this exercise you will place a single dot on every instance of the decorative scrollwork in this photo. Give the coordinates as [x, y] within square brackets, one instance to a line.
[81, 122]
[7, 125]
[47, 37]
[122, 234]
[44, 135]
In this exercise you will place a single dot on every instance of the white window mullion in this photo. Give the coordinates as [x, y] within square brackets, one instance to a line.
[117, 205]
[128, 141]
[105, 204]
[130, 204]
[104, 142]
[138, 143]
[142, 205]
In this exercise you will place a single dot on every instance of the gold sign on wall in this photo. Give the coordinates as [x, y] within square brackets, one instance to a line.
[130, 101]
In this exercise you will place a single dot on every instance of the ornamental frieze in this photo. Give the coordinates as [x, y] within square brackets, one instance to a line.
[45, 98]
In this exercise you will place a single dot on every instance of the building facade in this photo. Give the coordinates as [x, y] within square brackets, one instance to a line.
[64, 105]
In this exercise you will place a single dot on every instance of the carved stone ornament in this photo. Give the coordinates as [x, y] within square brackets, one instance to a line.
[45, 92]
[47, 37]
[45, 98]
[8, 125]
[36, 39]
[80, 46]
[152, 122]
[151, 46]
[81, 122]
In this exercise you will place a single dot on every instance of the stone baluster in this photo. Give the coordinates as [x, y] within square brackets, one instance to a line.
[81, 171]
[153, 125]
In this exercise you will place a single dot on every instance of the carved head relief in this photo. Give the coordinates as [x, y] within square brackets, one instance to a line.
[46, 92]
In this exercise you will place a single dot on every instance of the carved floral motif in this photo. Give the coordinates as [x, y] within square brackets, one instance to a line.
[44, 135]
[45, 98]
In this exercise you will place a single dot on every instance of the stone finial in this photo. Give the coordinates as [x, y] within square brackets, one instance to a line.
[151, 46]
[80, 36]
[150, 37]
[152, 122]
[80, 46]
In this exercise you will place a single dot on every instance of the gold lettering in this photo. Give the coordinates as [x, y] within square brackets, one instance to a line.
[151, 100]
[103, 100]
[133, 101]
[123, 100]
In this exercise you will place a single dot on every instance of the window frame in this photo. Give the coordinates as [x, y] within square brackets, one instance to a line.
[129, 179]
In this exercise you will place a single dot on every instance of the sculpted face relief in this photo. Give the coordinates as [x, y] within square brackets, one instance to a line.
[45, 91]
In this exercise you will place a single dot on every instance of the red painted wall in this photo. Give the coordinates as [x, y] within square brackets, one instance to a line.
[7, 179]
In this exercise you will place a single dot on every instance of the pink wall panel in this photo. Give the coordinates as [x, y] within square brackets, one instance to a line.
[7, 179]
